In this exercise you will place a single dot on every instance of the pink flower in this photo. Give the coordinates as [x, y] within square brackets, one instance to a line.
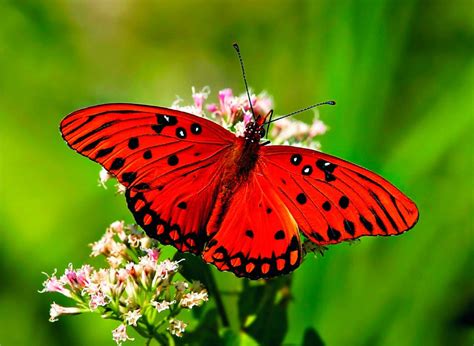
[317, 128]
[119, 334]
[77, 279]
[98, 299]
[200, 97]
[52, 284]
[248, 117]
[225, 99]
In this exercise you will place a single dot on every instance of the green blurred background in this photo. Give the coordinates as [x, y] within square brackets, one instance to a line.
[402, 73]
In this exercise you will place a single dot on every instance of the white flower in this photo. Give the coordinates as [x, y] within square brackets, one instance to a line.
[177, 327]
[193, 299]
[162, 305]
[103, 245]
[121, 189]
[131, 317]
[163, 269]
[239, 129]
[119, 334]
[58, 310]
[118, 227]
[114, 261]
[104, 176]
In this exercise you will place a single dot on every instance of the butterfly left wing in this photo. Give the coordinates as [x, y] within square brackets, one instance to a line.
[334, 200]
[257, 236]
[169, 161]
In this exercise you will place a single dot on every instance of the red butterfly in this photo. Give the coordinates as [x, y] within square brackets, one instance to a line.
[233, 200]
[238, 203]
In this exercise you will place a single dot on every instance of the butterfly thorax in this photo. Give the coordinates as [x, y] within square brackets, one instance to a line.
[240, 163]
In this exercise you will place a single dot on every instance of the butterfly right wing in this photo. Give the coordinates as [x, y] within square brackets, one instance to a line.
[257, 237]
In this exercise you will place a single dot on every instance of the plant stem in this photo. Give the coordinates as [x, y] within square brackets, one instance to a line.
[218, 298]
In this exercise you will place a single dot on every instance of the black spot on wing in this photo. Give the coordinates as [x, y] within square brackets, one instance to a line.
[317, 236]
[387, 214]
[349, 227]
[296, 159]
[333, 234]
[328, 169]
[368, 226]
[147, 155]
[301, 198]
[344, 202]
[117, 163]
[280, 235]
[326, 206]
[129, 177]
[173, 160]
[94, 131]
[181, 132]
[133, 143]
[104, 152]
[307, 170]
[93, 144]
[378, 220]
[196, 129]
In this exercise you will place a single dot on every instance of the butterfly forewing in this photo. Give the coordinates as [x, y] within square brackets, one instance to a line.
[139, 144]
[334, 200]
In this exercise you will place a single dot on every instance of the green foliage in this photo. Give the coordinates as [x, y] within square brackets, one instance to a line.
[402, 74]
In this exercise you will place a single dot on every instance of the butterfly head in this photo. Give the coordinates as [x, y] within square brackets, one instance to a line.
[254, 132]
[255, 129]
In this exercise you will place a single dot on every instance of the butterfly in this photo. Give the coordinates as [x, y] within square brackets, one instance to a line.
[240, 204]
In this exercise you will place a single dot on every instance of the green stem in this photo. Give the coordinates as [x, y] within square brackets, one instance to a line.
[217, 296]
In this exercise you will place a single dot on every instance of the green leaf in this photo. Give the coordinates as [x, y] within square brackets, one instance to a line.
[233, 338]
[312, 338]
[206, 333]
[263, 309]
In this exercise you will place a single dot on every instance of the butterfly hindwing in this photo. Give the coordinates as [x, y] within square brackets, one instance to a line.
[334, 200]
[177, 212]
[257, 236]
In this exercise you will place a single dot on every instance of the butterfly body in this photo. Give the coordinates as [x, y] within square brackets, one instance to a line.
[239, 204]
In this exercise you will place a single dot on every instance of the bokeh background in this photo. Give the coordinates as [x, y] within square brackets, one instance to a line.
[402, 73]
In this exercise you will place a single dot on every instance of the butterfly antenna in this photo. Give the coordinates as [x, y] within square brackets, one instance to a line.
[237, 49]
[268, 122]
[331, 103]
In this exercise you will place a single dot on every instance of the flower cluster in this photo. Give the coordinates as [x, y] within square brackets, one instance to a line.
[234, 113]
[137, 288]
